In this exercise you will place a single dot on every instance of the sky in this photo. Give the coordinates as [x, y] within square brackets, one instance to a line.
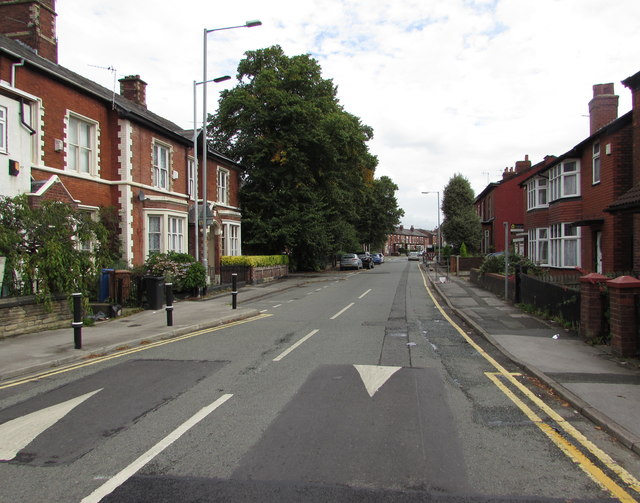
[449, 87]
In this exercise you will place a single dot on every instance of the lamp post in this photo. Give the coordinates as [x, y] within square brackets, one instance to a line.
[195, 160]
[439, 243]
[248, 24]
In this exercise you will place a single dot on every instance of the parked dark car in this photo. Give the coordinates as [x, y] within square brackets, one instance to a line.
[350, 261]
[367, 260]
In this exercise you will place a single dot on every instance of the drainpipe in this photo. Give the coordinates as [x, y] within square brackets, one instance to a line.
[13, 72]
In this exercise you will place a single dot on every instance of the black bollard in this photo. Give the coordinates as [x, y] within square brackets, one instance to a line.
[169, 307]
[77, 320]
[234, 290]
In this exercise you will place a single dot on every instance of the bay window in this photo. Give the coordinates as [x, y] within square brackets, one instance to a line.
[165, 232]
[154, 233]
[230, 239]
[537, 193]
[538, 248]
[565, 245]
[564, 179]
[175, 240]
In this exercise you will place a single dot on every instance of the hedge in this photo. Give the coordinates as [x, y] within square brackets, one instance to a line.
[255, 260]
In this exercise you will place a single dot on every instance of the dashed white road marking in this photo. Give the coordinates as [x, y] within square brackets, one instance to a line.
[340, 312]
[294, 346]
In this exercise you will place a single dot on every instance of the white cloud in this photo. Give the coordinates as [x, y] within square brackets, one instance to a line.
[449, 87]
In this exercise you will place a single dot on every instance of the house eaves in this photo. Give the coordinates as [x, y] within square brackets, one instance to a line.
[212, 153]
[486, 191]
[611, 128]
[124, 107]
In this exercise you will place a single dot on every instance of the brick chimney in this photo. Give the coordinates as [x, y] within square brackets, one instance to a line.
[32, 22]
[523, 165]
[507, 173]
[135, 89]
[603, 108]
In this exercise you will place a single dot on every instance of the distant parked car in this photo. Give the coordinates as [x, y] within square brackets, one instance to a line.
[414, 255]
[378, 258]
[350, 261]
[367, 259]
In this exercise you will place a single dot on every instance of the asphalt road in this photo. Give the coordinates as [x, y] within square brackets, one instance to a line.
[354, 388]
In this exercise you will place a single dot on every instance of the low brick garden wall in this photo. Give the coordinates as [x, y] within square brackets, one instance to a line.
[253, 275]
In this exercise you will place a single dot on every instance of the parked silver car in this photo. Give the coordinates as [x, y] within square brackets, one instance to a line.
[350, 261]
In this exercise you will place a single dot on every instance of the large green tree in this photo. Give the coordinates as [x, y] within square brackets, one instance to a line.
[309, 175]
[461, 222]
[382, 215]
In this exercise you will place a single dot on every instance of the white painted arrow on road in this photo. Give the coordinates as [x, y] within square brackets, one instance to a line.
[16, 434]
[374, 376]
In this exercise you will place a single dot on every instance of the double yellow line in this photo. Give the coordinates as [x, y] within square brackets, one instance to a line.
[574, 453]
[125, 352]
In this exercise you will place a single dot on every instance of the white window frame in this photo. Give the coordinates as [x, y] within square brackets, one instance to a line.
[231, 243]
[564, 246]
[537, 194]
[161, 165]
[175, 234]
[191, 178]
[77, 149]
[171, 234]
[223, 185]
[156, 232]
[596, 165]
[88, 246]
[538, 245]
[4, 130]
[562, 177]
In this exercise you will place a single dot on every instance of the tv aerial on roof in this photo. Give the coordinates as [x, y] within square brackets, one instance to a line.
[113, 72]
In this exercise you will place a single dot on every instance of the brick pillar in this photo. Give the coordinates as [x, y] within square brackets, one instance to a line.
[592, 308]
[624, 318]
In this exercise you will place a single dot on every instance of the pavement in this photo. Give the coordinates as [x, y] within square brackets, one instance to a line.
[602, 387]
[599, 385]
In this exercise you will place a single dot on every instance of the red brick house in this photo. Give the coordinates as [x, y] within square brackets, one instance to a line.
[629, 202]
[409, 239]
[63, 134]
[501, 202]
[576, 217]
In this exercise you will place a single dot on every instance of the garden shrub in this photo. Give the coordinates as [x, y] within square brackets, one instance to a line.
[255, 260]
[495, 264]
[180, 269]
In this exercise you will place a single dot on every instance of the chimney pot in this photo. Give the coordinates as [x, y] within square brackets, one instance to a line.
[134, 88]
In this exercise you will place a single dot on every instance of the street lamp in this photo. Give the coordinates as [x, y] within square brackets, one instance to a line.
[439, 242]
[195, 160]
[248, 24]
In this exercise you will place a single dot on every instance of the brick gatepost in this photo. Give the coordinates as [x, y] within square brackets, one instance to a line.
[623, 292]
[592, 307]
